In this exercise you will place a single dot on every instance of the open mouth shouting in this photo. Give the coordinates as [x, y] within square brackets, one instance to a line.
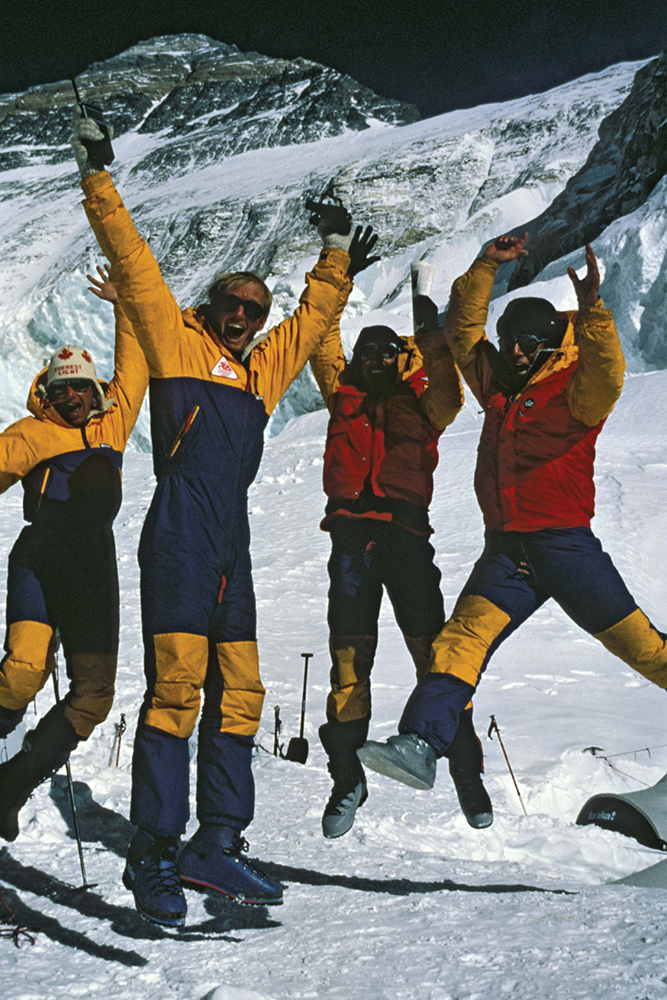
[75, 409]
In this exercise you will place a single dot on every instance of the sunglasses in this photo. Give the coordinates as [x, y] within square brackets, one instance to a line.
[384, 351]
[229, 303]
[527, 342]
[60, 389]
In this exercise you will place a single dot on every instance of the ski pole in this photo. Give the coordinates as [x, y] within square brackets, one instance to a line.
[70, 785]
[493, 728]
[277, 726]
[122, 726]
[306, 657]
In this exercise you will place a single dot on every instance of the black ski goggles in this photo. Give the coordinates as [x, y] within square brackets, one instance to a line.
[229, 303]
[527, 342]
[376, 351]
[57, 391]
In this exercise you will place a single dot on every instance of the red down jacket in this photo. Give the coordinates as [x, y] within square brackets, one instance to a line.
[537, 448]
[387, 448]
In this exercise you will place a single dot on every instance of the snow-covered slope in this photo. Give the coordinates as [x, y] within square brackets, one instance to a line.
[215, 152]
[412, 904]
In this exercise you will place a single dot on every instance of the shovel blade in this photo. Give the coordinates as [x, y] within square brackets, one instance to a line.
[297, 750]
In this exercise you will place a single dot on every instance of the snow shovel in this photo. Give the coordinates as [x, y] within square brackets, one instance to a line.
[297, 748]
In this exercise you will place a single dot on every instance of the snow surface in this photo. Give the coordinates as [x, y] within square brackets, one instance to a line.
[412, 904]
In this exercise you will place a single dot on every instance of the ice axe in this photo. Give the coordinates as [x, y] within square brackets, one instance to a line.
[329, 209]
[100, 151]
[297, 748]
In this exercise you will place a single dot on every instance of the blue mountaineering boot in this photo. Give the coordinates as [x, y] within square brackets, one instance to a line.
[341, 740]
[466, 763]
[405, 758]
[211, 859]
[152, 876]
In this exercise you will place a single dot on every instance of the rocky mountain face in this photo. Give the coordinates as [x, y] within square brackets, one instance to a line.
[205, 99]
[624, 166]
[215, 153]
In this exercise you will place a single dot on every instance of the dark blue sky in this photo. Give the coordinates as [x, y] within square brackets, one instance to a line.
[436, 54]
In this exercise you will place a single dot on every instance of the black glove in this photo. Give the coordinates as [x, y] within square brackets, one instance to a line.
[91, 144]
[361, 245]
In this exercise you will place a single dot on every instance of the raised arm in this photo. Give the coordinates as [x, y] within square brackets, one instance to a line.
[468, 312]
[597, 383]
[277, 361]
[146, 300]
[442, 401]
[130, 379]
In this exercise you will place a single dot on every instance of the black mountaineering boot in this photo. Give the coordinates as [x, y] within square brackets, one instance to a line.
[45, 749]
[341, 741]
[466, 762]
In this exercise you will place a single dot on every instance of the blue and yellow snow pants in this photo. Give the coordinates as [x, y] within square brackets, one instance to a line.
[74, 588]
[199, 626]
[368, 556]
[516, 573]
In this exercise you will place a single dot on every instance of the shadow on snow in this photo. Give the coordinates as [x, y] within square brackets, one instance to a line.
[392, 886]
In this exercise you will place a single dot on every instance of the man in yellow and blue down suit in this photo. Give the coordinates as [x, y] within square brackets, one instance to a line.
[389, 406]
[546, 394]
[211, 393]
[62, 571]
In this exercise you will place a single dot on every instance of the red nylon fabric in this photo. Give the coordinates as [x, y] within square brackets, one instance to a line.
[535, 460]
[388, 443]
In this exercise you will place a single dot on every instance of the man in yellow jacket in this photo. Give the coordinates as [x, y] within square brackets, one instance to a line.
[211, 394]
[546, 394]
[62, 569]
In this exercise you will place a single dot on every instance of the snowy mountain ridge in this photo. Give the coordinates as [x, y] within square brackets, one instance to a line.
[215, 172]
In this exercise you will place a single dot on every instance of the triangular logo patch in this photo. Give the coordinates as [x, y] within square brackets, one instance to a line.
[224, 369]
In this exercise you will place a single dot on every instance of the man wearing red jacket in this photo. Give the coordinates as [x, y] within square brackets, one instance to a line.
[389, 405]
[546, 395]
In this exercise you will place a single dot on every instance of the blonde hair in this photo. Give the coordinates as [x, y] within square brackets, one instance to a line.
[228, 282]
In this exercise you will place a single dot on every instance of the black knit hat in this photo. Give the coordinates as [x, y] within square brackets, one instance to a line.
[531, 316]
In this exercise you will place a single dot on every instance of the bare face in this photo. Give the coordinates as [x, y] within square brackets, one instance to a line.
[378, 368]
[230, 321]
[520, 360]
[76, 406]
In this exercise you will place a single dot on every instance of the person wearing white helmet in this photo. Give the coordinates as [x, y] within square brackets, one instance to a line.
[62, 574]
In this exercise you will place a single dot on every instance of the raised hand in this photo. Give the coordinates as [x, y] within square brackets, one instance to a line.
[361, 245]
[91, 143]
[104, 289]
[587, 289]
[506, 248]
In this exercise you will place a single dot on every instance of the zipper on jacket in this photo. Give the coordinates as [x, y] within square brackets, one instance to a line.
[44, 482]
[185, 427]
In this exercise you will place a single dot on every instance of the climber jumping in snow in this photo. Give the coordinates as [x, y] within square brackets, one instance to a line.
[62, 569]
[212, 388]
[546, 395]
[389, 406]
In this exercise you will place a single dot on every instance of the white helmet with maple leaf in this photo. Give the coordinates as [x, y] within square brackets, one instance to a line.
[70, 361]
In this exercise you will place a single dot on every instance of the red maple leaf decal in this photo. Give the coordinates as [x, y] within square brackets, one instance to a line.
[65, 354]
[86, 357]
